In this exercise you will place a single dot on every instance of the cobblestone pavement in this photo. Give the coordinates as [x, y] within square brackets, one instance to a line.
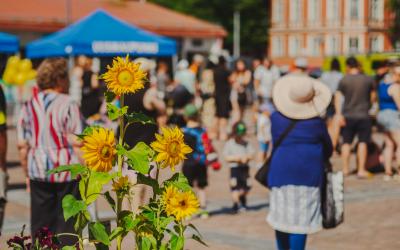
[372, 214]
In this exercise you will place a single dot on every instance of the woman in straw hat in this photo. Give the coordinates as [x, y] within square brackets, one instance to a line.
[297, 166]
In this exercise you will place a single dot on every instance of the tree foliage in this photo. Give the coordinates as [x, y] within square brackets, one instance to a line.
[254, 19]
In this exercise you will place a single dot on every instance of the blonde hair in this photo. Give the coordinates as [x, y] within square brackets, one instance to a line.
[51, 73]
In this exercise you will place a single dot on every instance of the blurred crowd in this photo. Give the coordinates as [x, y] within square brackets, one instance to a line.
[224, 103]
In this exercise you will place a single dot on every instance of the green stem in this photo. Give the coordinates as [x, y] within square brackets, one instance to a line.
[120, 163]
[121, 136]
[181, 233]
[157, 176]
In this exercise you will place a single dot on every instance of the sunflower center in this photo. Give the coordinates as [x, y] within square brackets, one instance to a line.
[182, 203]
[173, 149]
[125, 77]
[106, 152]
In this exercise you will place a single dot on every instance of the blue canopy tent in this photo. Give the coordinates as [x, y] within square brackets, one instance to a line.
[8, 43]
[101, 34]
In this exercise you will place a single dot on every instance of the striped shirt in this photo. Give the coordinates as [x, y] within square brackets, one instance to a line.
[44, 125]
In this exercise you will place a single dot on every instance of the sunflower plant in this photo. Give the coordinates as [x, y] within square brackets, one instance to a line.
[162, 223]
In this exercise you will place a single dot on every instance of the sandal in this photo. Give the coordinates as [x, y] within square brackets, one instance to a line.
[367, 176]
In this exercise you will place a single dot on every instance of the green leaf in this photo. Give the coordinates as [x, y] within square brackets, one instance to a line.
[114, 112]
[128, 222]
[90, 187]
[142, 179]
[116, 232]
[87, 131]
[72, 206]
[198, 239]
[81, 220]
[68, 248]
[75, 170]
[176, 242]
[194, 228]
[165, 221]
[139, 118]
[99, 232]
[145, 244]
[110, 96]
[139, 157]
[179, 181]
[110, 200]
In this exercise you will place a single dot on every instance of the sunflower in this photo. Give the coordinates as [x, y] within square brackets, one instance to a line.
[171, 147]
[98, 149]
[121, 185]
[182, 205]
[168, 194]
[124, 76]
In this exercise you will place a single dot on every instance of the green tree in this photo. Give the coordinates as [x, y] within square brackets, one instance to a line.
[394, 6]
[254, 19]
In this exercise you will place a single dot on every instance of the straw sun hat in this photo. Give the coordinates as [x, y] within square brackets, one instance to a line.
[301, 97]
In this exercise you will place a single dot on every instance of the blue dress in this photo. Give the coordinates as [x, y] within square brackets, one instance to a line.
[296, 174]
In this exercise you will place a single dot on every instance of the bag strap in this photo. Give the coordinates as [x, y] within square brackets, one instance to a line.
[283, 136]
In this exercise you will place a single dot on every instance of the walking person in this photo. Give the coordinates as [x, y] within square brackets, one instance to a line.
[203, 154]
[263, 133]
[331, 79]
[238, 153]
[47, 129]
[239, 79]
[90, 100]
[222, 94]
[297, 165]
[389, 118]
[265, 76]
[357, 91]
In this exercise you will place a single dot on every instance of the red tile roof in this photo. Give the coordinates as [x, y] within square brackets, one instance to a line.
[51, 15]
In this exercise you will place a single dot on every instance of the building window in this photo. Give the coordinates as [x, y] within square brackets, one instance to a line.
[294, 46]
[376, 44]
[354, 10]
[332, 10]
[277, 46]
[295, 10]
[314, 10]
[332, 45]
[376, 10]
[314, 45]
[353, 45]
[277, 11]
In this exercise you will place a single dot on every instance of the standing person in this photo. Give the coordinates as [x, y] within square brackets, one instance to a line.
[222, 94]
[90, 101]
[265, 76]
[47, 129]
[297, 166]
[163, 79]
[238, 153]
[239, 78]
[185, 77]
[3, 153]
[207, 89]
[203, 154]
[389, 118]
[357, 91]
[331, 79]
[263, 132]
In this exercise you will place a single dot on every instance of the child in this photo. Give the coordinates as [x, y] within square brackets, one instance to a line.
[238, 153]
[263, 133]
[195, 166]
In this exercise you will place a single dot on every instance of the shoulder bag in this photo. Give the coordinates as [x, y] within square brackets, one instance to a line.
[262, 173]
[332, 192]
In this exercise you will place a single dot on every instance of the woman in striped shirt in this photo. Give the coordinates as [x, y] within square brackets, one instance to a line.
[46, 129]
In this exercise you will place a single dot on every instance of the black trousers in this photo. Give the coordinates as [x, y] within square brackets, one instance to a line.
[46, 208]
